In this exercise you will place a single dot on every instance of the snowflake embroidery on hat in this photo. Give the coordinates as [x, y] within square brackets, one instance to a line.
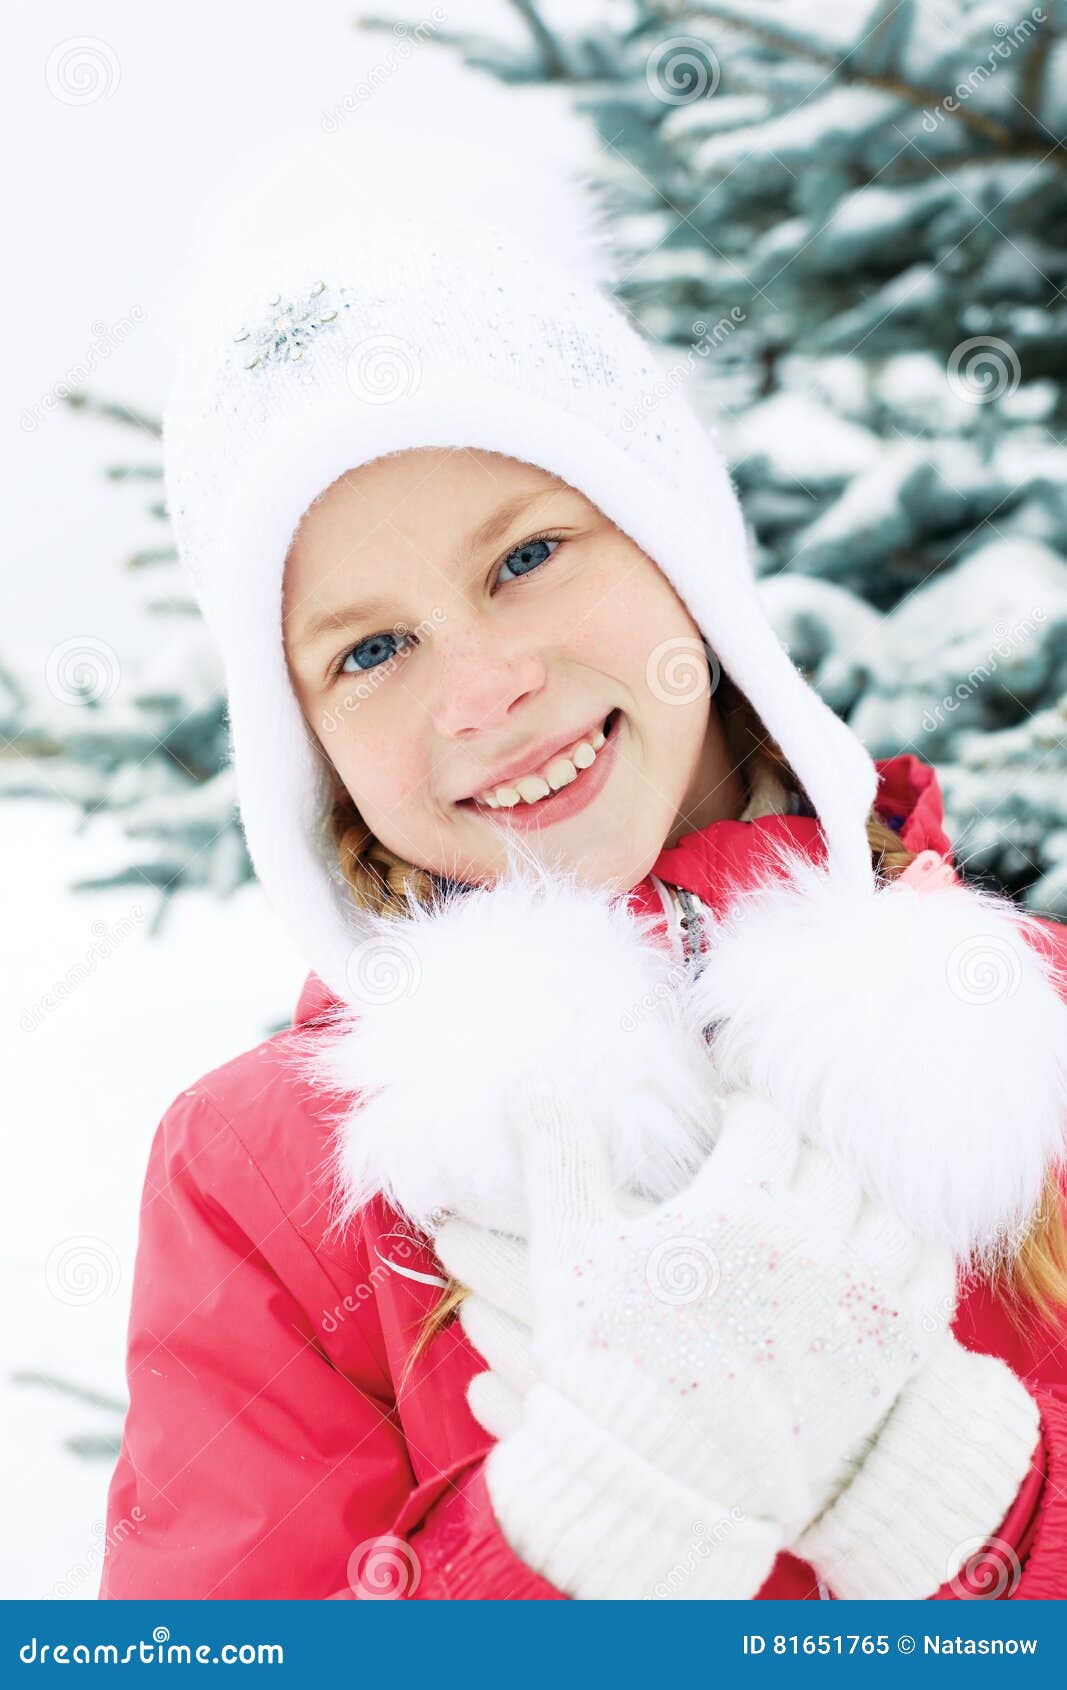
[290, 328]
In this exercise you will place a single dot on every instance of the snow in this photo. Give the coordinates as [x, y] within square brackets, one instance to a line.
[790, 437]
[105, 1027]
[1003, 607]
[833, 636]
[839, 118]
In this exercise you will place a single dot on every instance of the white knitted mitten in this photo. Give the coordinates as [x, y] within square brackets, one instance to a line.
[942, 1474]
[939, 1477]
[718, 1358]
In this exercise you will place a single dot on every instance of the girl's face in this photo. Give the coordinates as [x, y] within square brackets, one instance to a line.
[479, 650]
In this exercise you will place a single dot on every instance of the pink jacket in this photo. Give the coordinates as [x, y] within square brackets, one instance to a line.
[276, 1444]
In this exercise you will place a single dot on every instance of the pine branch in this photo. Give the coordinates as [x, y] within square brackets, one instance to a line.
[1032, 74]
[1002, 135]
[113, 412]
[555, 65]
[69, 1388]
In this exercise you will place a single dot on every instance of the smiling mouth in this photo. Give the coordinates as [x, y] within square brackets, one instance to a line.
[541, 786]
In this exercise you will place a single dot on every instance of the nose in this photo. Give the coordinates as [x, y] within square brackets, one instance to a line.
[478, 690]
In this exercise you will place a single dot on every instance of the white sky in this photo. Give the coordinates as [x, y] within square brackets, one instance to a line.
[100, 196]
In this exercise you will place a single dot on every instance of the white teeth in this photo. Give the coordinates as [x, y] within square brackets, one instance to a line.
[557, 773]
[582, 755]
[532, 787]
[560, 772]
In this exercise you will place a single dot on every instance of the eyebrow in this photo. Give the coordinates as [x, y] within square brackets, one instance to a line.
[495, 525]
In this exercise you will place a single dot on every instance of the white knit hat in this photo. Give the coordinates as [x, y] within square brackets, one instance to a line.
[397, 284]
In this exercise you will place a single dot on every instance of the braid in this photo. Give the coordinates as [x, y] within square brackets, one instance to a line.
[378, 877]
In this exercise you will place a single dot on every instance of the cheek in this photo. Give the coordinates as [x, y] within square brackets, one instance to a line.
[382, 761]
[630, 624]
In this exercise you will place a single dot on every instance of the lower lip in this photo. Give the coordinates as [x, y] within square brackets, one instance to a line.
[565, 803]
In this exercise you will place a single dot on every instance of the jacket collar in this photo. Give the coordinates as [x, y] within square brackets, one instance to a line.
[719, 860]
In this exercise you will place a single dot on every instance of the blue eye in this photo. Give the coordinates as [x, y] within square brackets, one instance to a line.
[529, 556]
[371, 652]
[378, 649]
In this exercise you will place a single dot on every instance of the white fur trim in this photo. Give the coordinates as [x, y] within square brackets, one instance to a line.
[919, 1034]
[494, 988]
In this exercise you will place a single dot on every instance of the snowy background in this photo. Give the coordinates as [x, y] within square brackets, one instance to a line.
[845, 224]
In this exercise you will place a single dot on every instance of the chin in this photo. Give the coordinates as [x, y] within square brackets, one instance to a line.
[622, 869]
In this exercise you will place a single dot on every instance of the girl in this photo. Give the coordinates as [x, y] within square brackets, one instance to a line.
[648, 1023]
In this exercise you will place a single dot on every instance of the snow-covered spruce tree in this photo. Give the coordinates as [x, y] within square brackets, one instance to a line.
[847, 227]
[150, 751]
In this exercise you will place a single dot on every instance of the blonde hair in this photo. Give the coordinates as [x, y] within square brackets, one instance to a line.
[1035, 1282]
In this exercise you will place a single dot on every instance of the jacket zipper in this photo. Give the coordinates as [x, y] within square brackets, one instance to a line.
[685, 915]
